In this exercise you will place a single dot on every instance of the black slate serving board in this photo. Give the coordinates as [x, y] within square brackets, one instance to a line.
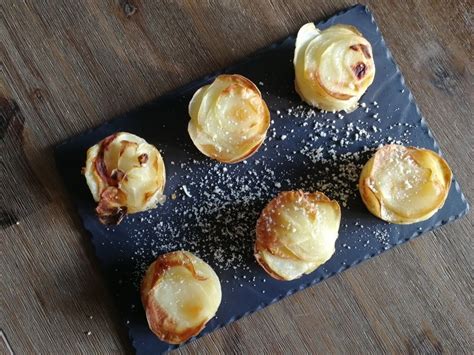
[214, 214]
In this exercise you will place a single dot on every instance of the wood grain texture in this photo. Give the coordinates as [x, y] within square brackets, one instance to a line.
[67, 66]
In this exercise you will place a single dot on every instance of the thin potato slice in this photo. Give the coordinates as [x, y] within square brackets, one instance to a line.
[284, 268]
[296, 233]
[229, 119]
[404, 184]
[319, 236]
[333, 67]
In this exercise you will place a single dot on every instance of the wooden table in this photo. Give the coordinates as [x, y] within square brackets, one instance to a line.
[75, 64]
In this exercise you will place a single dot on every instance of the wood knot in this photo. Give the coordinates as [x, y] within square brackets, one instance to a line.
[129, 9]
[443, 78]
[424, 342]
[37, 94]
[10, 118]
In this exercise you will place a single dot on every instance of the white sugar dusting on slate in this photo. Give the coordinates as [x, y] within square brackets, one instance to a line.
[214, 206]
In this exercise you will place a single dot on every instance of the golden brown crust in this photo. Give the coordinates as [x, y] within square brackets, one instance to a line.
[264, 265]
[229, 119]
[168, 323]
[371, 202]
[163, 263]
[418, 169]
[296, 233]
[111, 208]
[162, 325]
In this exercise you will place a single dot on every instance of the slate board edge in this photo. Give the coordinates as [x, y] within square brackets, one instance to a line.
[423, 121]
[198, 82]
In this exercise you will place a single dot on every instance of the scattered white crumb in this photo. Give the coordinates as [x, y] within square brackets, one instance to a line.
[186, 191]
[219, 226]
